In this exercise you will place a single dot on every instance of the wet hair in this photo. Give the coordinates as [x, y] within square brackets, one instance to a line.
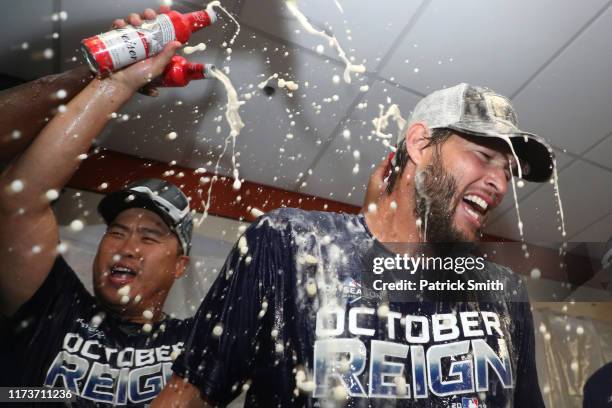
[437, 138]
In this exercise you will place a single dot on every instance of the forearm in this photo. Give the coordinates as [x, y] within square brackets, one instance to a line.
[26, 108]
[54, 155]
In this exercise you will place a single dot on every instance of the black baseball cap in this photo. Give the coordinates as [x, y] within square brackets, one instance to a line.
[160, 196]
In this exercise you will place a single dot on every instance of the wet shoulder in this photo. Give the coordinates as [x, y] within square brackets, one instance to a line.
[174, 329]
[514, 284]
[320, 222]
[179, 324]
[599, 379]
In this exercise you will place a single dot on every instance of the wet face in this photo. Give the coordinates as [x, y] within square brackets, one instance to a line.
[463, 180]
[139, 250]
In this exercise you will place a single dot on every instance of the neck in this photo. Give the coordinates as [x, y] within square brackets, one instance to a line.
[397, 224]
[136, 313]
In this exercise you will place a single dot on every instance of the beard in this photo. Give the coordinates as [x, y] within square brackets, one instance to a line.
[435, 191]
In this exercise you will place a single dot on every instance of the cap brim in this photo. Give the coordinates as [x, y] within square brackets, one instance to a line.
[114, 203]
[537, 159]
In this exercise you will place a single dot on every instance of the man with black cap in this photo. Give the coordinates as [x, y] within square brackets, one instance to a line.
[114, 348]
[290, 320]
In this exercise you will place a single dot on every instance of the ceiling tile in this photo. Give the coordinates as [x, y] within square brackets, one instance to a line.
[150, 120]
[267, 154]
[602, 153]
[586, 196]
[600, 231]
[569, 102]
[25, 37]
[365, 30]
[333, 176]
[498, 44]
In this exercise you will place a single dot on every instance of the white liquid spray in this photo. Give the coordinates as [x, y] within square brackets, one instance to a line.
[232, 115]
[231, 112]
[339, 6]
[290, 85]
[217, 4]
[382, 121]
[263, 84]
[282, 83]
[520, 175]
[190, 50]
[518, 162]
[233, 104]
[556, 185]
[332, 40]
[516, 205]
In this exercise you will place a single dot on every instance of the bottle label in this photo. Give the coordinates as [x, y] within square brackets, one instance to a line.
[132, 44]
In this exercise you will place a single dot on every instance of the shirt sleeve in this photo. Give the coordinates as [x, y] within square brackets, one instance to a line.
[597, 390]
[60, 292]
[40, 323]
[588, 395]
[221, 348]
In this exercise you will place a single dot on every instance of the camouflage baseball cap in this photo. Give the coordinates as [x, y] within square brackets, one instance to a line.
[479, 111]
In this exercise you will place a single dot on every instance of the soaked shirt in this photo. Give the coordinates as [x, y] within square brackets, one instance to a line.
[598, 389]
[61, 338]
[287, 321]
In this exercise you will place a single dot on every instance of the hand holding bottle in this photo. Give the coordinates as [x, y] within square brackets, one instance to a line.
[142, 39]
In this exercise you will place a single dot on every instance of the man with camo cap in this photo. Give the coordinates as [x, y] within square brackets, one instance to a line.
[289, 319]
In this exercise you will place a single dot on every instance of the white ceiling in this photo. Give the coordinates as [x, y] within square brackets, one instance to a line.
[553, 57]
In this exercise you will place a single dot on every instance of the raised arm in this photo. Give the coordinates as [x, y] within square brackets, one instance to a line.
[28, 228]
[26, 108]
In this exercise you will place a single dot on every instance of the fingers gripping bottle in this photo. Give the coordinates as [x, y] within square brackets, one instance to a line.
[116, 49]
[180, 71]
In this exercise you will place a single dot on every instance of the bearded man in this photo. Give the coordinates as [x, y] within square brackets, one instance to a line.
[289, 322]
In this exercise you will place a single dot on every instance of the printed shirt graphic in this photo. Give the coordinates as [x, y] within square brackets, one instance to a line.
[288, 321]
[52, 341]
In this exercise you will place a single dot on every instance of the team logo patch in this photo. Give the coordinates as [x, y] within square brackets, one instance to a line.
[469, 402]
[351, 289]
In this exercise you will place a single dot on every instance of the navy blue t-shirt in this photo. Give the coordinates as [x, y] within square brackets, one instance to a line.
[598, 389]
[287, 321]
[62, 338]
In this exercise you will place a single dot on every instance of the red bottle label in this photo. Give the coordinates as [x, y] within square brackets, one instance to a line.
[122, 47]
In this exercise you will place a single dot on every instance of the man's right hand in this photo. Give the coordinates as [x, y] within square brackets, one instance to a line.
[140, 75]
[376, 183]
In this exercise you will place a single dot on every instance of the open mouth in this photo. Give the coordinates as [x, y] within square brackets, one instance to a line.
[476, 208]
[121, 275]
